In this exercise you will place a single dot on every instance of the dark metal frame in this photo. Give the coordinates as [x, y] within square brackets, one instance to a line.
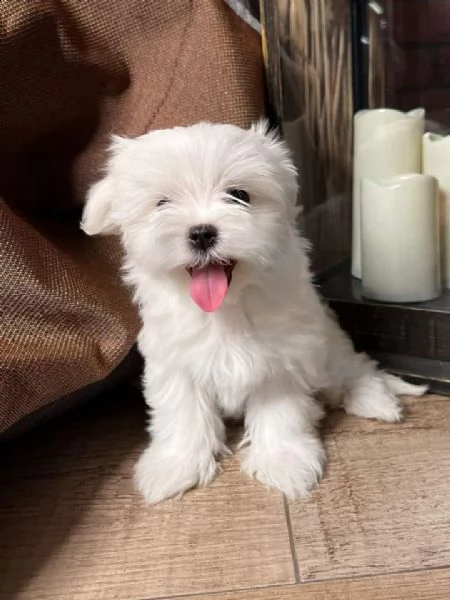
[411, 340]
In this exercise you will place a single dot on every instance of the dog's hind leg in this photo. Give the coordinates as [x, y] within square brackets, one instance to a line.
[375, 394]
[367, 391]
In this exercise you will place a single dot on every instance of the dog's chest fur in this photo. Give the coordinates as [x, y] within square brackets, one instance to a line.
[231, 352]
[222, 353]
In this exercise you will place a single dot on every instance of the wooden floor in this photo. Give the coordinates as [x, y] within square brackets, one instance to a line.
[377, 528]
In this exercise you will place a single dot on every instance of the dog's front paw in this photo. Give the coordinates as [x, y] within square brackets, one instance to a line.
[292, 466]
[160, 475]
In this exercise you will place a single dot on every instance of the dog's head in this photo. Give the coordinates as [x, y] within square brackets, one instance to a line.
[208, 202]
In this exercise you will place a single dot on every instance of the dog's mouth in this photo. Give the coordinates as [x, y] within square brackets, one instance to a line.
[210, 283]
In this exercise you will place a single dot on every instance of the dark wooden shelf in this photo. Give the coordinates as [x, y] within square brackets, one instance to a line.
[412, 340]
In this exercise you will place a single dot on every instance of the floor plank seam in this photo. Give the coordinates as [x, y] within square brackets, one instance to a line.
[270, 586]
[355, 577]
[290, 530]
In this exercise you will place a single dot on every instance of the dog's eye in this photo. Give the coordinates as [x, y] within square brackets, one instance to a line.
[238, 196]
[162, 201]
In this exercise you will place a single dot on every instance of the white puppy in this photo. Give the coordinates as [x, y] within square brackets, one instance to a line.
[232, 325]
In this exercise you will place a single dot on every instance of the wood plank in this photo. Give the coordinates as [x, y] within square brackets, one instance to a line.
[384, 505]
[73, 528]
[423, 585]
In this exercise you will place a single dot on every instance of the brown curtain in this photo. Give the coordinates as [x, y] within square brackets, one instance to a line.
[71, 72]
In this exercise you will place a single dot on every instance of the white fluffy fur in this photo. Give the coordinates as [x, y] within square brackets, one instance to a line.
[270, 349]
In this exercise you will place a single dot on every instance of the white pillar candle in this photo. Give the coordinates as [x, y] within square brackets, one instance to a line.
[386, 143]
[436, 162]
[400, 239]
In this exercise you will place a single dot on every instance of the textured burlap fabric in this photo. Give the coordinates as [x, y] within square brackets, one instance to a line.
[71, 72]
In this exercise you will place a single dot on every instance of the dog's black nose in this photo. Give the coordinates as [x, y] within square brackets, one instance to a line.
[203, 237]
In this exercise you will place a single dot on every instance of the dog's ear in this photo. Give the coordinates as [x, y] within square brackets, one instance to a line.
[263, 128]
[272, 138]
[98, 215]
[279, 149]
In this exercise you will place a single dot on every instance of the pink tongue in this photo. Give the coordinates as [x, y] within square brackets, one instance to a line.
[209, 287]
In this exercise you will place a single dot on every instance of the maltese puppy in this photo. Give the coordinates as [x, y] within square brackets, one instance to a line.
[232, 325]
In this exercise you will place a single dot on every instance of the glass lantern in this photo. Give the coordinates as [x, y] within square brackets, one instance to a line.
[327, 63]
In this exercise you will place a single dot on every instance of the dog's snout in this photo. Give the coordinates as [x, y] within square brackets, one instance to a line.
[203, 237]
